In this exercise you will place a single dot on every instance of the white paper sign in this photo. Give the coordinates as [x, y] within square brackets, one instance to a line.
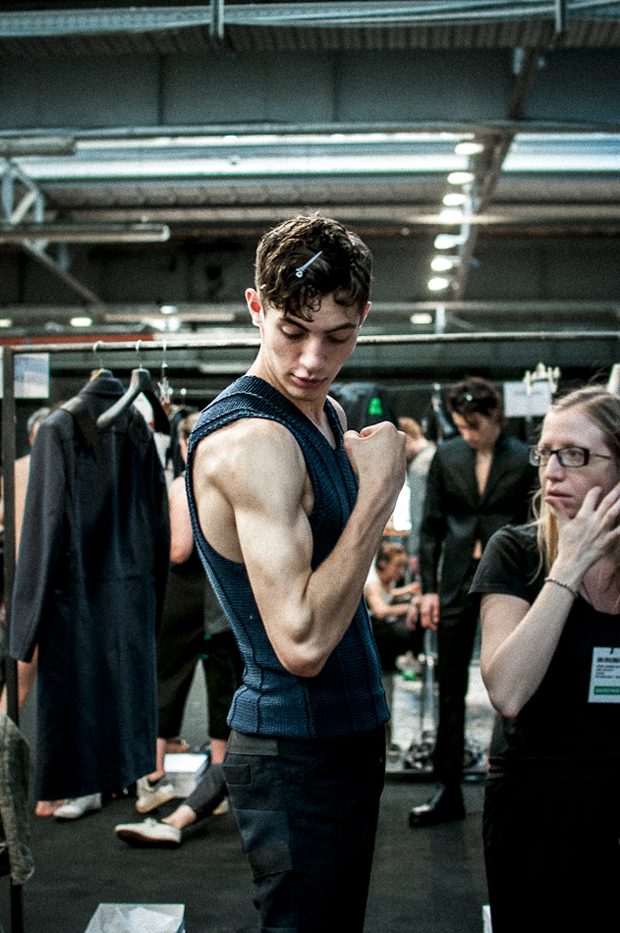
[518, 404]
[32, 375]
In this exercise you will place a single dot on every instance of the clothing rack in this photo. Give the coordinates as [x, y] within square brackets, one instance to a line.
[148, 346]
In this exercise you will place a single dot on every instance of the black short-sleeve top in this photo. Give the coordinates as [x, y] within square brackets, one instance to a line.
[560, 727]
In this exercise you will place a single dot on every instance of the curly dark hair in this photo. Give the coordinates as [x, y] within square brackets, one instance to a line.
[343, 268]
[474, 396]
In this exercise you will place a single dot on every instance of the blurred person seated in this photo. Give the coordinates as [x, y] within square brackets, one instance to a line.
[419, 452]
[209, 798]
[393, 609]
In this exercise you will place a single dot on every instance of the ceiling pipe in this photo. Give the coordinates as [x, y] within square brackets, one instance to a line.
[85, 233]
[21, 146]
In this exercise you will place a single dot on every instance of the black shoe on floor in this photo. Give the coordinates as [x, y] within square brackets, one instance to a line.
[444, 806]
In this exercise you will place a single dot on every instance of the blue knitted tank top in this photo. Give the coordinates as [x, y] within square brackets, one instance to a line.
[346, 697]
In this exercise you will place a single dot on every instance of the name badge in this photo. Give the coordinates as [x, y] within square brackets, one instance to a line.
[605, 676]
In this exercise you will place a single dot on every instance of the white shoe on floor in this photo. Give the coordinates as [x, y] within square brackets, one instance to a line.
[221, 808]
[77, 807]
[149, 833]
[151, 796]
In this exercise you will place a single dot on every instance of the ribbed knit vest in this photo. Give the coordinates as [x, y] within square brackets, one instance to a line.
[346, 697]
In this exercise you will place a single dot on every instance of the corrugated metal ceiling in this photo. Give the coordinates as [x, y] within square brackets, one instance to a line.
[272, 27]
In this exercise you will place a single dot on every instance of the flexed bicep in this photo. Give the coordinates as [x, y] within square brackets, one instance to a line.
[270, 500]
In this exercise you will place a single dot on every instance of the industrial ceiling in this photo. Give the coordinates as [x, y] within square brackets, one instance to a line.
[144, 148]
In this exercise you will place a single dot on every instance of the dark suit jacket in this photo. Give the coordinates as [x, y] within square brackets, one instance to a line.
[456, 516]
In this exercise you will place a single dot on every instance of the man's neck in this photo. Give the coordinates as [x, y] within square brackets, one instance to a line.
[313, 409]
[489, 448]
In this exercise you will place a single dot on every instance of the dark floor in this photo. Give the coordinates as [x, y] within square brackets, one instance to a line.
[424, 881]
[427, 881]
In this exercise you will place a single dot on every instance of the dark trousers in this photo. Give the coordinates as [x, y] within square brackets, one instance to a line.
[307, 813]
[223, 672]
[551, 852]
[393, 639]
[209, 792]
[455, 644]
[179, 645]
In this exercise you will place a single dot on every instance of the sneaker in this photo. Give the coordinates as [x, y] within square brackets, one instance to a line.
[221, 808]
[151, 796]
[77, 807]
[149, 833]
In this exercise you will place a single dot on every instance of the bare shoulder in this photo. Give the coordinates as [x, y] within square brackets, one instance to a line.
[249, 453]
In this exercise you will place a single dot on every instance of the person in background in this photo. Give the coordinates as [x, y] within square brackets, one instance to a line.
[180, 636]
[550, 659]
[288, 511]
[477, 483]
[26, 670]
[393, 609]
[209, 798]
[193, 628]
[420, 452]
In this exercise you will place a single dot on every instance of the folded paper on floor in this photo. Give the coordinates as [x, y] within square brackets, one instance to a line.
[138, 918]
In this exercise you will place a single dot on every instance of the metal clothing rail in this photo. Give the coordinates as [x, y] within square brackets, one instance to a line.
[240, 343]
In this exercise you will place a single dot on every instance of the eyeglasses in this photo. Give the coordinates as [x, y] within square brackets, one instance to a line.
[567, 456]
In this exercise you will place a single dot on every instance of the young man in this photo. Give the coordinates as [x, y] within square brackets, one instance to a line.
[288, 512]
[477, 483]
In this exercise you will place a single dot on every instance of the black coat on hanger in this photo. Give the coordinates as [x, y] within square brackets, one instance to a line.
[89, 587]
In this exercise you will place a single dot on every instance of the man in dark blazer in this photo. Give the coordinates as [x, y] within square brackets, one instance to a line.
[477, 483]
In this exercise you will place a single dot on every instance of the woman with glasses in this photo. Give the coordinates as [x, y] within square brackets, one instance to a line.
[550, 659]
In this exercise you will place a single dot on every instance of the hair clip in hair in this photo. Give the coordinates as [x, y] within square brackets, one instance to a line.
[299, 271]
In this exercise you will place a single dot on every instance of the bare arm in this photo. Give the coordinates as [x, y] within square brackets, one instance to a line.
[181, 535]
[409, 589]
[518, 640]
[254, 499]
[378, 606]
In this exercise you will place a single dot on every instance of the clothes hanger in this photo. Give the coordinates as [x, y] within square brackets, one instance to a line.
[139, 383]
[165, 389]
[101, 370]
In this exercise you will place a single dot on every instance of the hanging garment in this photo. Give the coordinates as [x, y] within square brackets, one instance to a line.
[89, 587]
[15, 836]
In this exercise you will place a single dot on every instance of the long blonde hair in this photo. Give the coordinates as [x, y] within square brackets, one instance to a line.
[602, 408]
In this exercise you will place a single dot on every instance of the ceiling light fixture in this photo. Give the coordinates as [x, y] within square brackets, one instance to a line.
[468, 148]
[448, 241]
[454, 198]
[81, 321]
[460, 178]
[451, 215]
[438, 283]
[444, 263]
